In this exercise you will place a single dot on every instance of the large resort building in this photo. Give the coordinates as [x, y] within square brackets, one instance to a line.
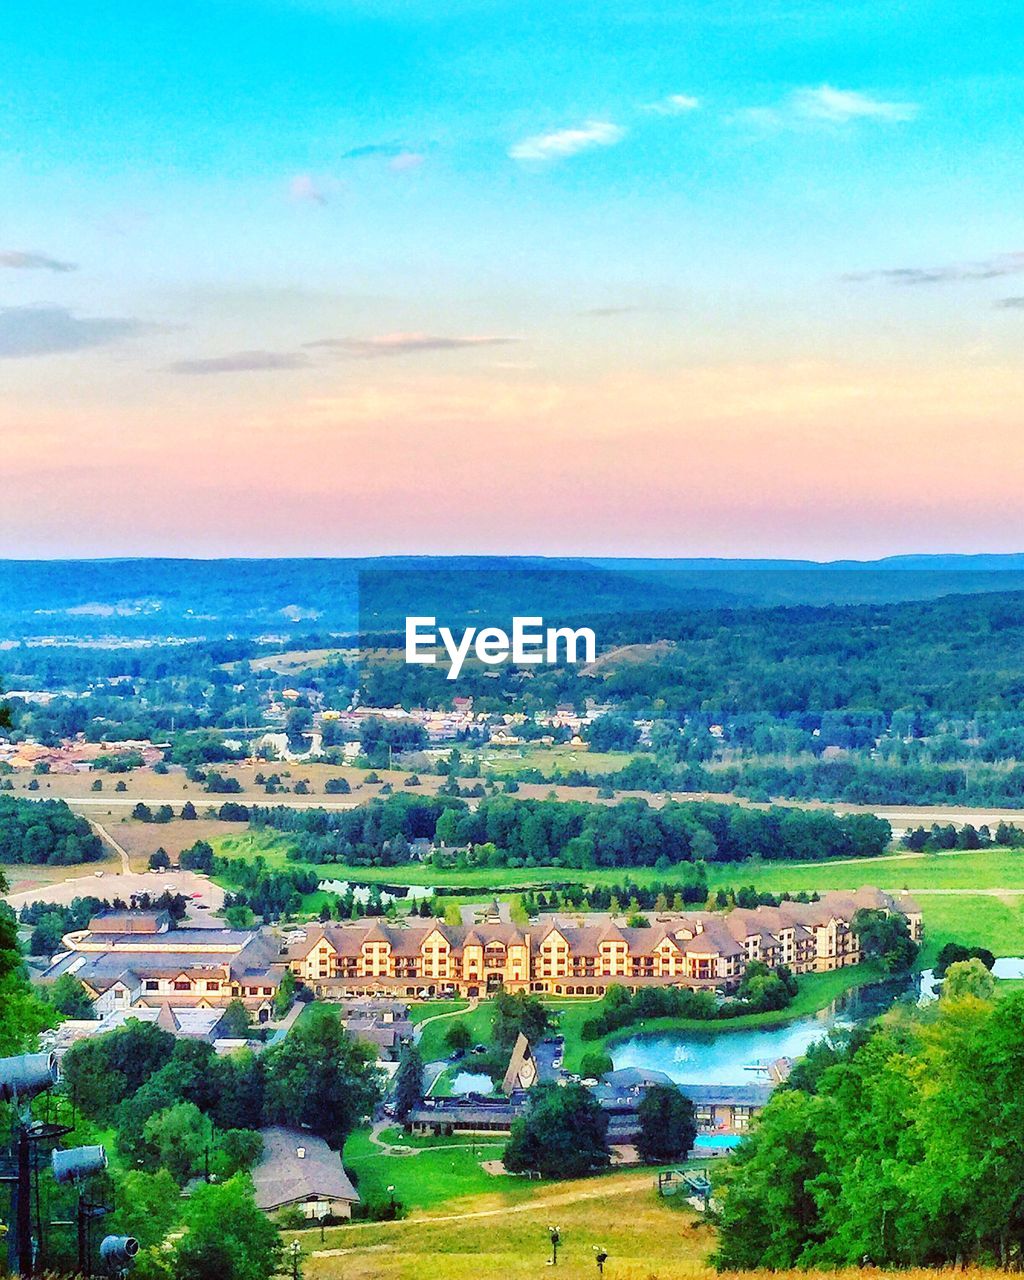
[134, 960]
[582, 955]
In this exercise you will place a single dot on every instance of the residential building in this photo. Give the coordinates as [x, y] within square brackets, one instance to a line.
[299, 1170]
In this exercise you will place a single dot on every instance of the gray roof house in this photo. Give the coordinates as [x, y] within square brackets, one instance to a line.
[300, 1169]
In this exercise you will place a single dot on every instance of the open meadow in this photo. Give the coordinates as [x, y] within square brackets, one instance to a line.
[502, 1234]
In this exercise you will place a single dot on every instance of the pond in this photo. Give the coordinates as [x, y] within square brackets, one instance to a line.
[1009, 967]
[727, 1057]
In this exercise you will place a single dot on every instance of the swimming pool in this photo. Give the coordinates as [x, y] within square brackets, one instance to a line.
[717, 1141]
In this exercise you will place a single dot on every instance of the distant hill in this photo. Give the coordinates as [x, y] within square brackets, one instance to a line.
[162, 598]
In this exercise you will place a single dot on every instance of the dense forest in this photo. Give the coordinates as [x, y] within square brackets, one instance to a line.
[45, 831]
[523, 833]
[918, 702]
[900, 1146]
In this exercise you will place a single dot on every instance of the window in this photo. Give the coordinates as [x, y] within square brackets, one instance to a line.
[182, 986]
[152, 984]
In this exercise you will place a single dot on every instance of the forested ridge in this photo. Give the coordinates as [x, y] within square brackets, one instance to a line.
[511, 832]
[902, 1146]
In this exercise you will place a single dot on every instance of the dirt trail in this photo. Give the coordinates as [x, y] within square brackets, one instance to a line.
[119, 849]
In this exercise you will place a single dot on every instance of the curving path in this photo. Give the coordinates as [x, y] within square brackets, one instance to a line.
[438, 1017]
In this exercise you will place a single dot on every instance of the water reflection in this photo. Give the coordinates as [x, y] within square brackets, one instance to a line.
[732, 1057]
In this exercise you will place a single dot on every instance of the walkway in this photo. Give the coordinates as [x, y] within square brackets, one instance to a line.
[118, 848]
[437, 1017]
[287, 1022]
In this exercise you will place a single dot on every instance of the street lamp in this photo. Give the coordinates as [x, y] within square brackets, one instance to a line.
[600, 1257]
[556, 1238]
[391, 1193]
[296, 1254]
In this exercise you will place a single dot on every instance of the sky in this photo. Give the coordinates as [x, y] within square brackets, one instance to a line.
[687, 277]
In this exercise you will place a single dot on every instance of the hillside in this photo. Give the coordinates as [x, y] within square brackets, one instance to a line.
[151, 598]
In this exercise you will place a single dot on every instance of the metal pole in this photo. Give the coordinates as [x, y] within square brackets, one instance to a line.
[23, 1212]
[83, 1236]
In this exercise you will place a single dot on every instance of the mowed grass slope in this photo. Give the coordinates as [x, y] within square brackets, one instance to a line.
[506, 1238]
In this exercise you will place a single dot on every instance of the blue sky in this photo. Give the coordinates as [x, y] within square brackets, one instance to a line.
[548, 222]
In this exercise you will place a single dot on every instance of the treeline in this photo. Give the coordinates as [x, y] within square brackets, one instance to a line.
[938, 838]
[690, 888]
[45, 831]
[762, 990]
[504, 832]
[850, 780]
[900, 1148]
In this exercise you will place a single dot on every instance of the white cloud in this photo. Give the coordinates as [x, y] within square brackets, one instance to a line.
[839, 106]
[406, 160]
[675, 104]
[825, 106]
[568, 142]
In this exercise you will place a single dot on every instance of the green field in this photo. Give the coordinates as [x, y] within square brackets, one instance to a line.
[501, 1233]
[432, 1041]
[550, 761]
[440, 1171]
[979, 869]
[972, 911]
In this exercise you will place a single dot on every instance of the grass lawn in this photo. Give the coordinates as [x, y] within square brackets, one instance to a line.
[978, 869]
[564, 759]
[644, 1235]
[436, 1175]
[976, 920]
[432, 1042]
[397, 1137]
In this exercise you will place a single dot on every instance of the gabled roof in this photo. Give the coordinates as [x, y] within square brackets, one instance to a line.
[296, 1166]
[522, 1071]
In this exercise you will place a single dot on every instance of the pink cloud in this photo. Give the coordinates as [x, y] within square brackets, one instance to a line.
[304, 187]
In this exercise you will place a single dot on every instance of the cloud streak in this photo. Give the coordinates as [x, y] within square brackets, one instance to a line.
[840, 106]
[389, 150]
[567, 142]
[240, 362]
[22, 260]
[673, 104]
[402, 344]
[44, 331]
[1004, 264]
[825, 106]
